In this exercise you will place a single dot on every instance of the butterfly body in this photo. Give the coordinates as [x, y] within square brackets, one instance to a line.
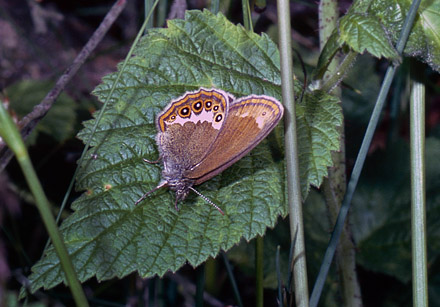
[204, 132]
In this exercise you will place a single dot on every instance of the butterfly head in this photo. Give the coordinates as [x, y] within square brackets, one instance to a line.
[180, 186]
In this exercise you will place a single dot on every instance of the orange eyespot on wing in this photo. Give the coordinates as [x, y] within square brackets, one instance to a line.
[198, 106]
[184, 112]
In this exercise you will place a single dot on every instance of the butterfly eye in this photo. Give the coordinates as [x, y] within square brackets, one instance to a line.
[172, 118]
[197, 106]
[218, 118]
[184, 112]
[215, 108]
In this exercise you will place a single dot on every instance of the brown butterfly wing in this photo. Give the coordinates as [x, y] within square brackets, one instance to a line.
[249, 121]
[189, 126]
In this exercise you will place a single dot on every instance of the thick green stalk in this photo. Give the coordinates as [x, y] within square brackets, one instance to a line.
[161, 15]
[418, 197]
[298, 264]
[334, 186]
[10, 134]
[259, 248]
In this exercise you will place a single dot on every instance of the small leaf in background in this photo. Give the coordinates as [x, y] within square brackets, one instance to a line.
[375, 26]
[107, 235]
[423, 41]
[60, 120]
[365, 33]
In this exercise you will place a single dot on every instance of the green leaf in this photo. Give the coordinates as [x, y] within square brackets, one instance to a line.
[424, 39]
[375, 26]
[59, 121]
[107, 235]
[365, 33]
[382, 206]
[315, 143]
[360, 32]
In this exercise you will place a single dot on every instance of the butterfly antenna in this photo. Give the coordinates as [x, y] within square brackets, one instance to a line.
[161, 185]
[207, 200]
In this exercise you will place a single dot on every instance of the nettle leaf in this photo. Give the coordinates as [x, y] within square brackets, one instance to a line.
[360, 32]
[424, 39]
[365, 33]
[107, 235]
[316, 144]
[375, 26]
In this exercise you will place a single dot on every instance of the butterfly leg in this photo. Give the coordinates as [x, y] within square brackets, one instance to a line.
[161, 185]
[175, 205]
[153, 162]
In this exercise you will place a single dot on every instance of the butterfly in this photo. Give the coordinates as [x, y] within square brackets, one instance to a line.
[202, 133]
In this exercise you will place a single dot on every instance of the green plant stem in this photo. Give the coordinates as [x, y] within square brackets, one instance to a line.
[211, 278]
[247, 20]
[148, 7]
[278, 270]
[232, 279]
[259, 248]
[200, 285]
[161, 15]
[11, 136]
[298, 264]
[418, 197]
[326, 262]
[214, 6]
[334, 186]
[340, 73]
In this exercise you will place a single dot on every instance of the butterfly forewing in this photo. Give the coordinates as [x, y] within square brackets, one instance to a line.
[250, 120]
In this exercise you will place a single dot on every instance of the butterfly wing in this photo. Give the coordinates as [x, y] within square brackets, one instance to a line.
[189, 125]
[249, 120]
